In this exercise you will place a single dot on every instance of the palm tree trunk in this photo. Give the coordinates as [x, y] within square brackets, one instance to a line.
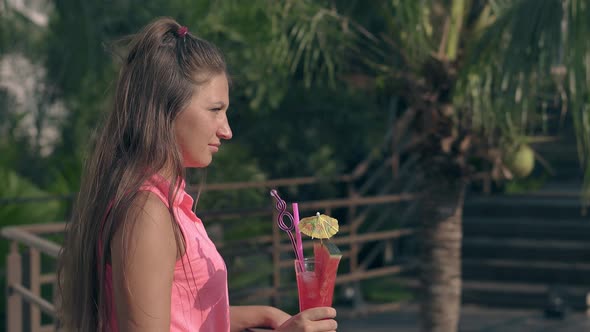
[440, 259]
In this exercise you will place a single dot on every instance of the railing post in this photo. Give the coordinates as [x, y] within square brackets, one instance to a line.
[388, 252]
[56, 295]
[276, 260]
[26, 283]
[35, 287]
[14, 310]
[354, 246]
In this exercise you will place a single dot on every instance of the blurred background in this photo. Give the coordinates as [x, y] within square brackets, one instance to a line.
[459, 127]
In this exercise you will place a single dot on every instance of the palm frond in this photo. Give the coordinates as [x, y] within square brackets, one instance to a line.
[533, 49]
[414, 19]
[311, 39]
[575, 55]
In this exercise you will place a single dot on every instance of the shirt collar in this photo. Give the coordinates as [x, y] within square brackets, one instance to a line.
[182, 199]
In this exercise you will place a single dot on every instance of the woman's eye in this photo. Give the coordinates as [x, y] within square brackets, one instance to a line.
[216, 109]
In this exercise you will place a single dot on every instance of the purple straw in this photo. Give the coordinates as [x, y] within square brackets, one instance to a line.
[281, 206]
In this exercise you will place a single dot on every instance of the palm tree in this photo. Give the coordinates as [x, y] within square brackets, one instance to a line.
[471, 75]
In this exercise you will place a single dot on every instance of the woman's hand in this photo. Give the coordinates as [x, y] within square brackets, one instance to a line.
[311, 320]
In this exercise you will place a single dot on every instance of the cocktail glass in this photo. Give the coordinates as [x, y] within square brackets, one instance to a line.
[315, 288]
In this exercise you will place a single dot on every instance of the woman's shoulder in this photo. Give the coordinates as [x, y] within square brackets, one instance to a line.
[148, 220]
[148, 208]
[150, 202]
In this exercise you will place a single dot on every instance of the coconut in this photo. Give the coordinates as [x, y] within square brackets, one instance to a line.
[521, 161]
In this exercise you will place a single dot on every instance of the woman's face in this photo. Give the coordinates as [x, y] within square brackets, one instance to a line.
[200, 127]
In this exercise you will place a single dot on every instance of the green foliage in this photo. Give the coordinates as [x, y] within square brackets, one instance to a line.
[322, 131]
[83, 76]
[505, 81]
[18, 34]
[526, 185]
[385, 290]
[233, 164]
[517, 59]
[244, 32]
[26, 211]
[301, 98]
[250, 272]
[8, 135]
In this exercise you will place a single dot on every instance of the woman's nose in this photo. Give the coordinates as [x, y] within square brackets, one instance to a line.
[224, 130]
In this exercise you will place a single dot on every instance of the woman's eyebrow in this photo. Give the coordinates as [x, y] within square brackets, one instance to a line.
[219, 104]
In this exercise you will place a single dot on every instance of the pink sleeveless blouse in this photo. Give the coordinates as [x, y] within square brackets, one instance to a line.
[199, 291]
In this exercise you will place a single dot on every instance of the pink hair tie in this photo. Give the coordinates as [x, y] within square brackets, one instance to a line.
[182, 31]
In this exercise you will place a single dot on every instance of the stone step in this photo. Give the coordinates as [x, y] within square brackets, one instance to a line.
[543, 206]
[567, 188]
[526, 271]
[567, 173]
[559, 155]
[565, 150]
[512, 294]
[526, 249]
[522, 295]
[527, 228]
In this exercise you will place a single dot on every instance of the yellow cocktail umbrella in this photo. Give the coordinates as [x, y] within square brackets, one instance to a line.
[319, 226]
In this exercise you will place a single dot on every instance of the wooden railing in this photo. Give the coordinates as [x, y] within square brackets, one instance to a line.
[25, 278]
[28, 247]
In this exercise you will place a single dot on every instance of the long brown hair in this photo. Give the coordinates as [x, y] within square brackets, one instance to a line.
[159, 76]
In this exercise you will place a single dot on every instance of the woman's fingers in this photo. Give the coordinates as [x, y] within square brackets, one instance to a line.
[312, 320]
[319, 313]
[325, 325]
[322, 319]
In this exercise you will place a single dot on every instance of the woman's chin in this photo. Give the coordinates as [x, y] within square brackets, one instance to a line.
[198, 164]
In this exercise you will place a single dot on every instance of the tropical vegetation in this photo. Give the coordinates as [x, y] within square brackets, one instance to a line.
[475, 81]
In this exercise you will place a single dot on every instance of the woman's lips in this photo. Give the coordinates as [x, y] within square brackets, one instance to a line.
[214, 148]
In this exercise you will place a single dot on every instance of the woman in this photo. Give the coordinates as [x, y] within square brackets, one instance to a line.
[135, 257]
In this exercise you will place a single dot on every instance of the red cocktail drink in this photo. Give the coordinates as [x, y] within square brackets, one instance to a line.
[316, 277]
[308, 285]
